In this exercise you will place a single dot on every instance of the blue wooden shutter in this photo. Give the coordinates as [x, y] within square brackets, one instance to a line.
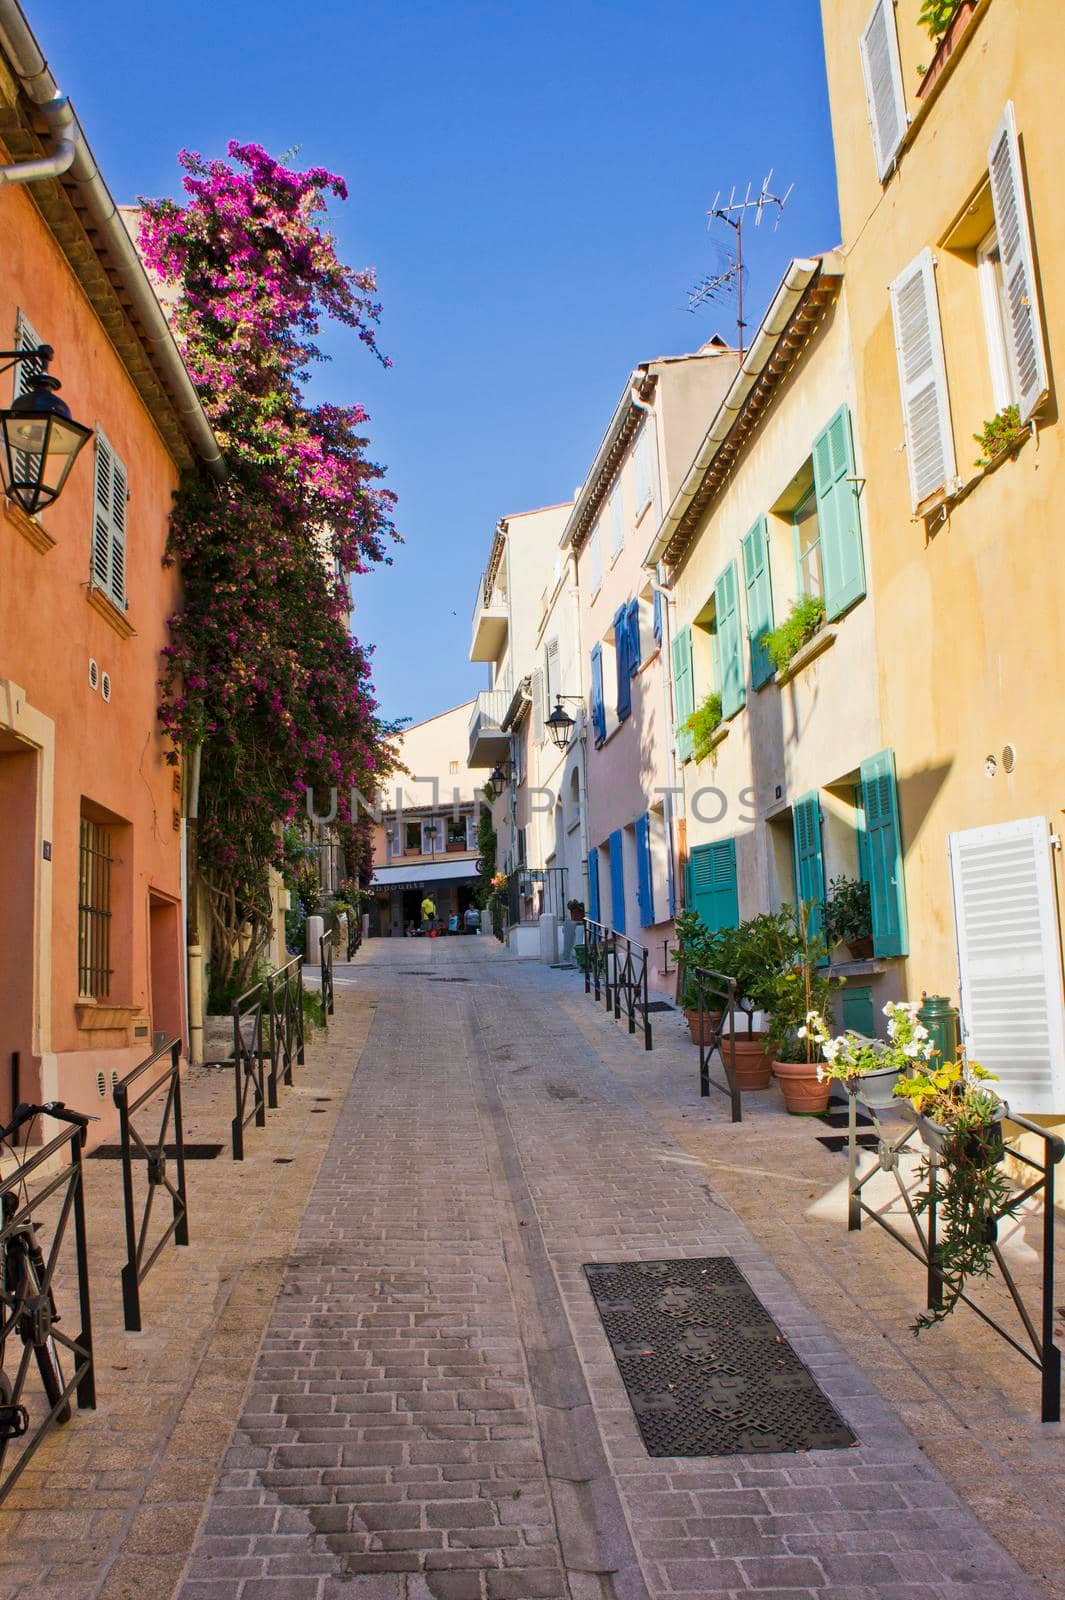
[635, 654]
[732, 679]
[598, 704]
[617, 882]
[809, 863]
[755, 547]
[621, 659]
[883, 854]
[683, 690]
[837, 515]
[656, 625]
[593, 885]
[644, 884]
[712, 891]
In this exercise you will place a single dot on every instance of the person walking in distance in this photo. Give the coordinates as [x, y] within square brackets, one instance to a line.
[429, 915]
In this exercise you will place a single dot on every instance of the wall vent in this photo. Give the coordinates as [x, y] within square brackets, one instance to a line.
[101, 1085]
[105, 685]
[94, 674]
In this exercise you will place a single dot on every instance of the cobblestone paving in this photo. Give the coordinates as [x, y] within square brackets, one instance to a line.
[435, 1411]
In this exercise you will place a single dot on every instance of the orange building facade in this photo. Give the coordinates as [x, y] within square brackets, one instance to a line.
[92, 955]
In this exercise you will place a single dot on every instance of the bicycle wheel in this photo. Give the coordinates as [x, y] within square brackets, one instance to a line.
[47, 1353]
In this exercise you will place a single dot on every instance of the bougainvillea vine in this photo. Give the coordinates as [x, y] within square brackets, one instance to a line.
[262, 677]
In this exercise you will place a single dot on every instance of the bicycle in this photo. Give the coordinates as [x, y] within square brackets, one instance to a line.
[27, 1304]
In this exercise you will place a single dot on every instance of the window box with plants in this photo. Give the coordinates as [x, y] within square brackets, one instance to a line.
[945, 22]
[1000, 436]
[849, 918]
[707, 727]
[785, 642]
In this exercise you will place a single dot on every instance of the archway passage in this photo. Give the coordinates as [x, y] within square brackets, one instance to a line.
[18, 933]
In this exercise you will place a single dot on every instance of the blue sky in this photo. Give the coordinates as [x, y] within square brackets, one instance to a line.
[531, 185]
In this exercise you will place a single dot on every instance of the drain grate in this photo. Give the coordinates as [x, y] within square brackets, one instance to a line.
[707, 1370]
[193, 1152]
[660, 1005]
[840, 1119]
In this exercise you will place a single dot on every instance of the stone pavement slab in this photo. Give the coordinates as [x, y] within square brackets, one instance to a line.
[435, 1410]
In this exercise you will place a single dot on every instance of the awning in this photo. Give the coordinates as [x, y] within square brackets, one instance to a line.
[417, 877]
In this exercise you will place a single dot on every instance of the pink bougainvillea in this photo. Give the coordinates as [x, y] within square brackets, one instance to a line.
[262, 673]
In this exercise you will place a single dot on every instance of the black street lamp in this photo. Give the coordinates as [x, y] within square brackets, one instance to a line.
[41, 438]
[497, 780]
[560, 724]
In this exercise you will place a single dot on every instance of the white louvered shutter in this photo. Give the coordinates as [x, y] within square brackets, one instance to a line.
[923, 379]
[1009, 960]
[101, 513]
[1024, 329]
[595, 561]
[537, 688]
[25, 339]
[552, 679]
[882, 71]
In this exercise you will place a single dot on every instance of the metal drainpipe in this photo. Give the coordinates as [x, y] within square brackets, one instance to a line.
[60, 118]
[582, 755]
[676, 802]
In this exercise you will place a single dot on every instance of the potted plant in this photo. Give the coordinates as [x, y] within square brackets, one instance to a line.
[799, 987]
[870, 1068]
[576, 910]
[960, 1120]
[999, 434]
[849, 918]
[698, 947]
[754, 955]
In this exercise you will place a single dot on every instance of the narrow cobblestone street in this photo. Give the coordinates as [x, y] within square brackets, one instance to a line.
[435, 1410]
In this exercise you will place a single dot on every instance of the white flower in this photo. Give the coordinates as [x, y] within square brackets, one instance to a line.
[821, 1074]
[802, 1033]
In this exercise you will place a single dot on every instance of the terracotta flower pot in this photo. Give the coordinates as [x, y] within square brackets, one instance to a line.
[754, 1066]
[861, 949]
[803, 1095]
[708, 1021]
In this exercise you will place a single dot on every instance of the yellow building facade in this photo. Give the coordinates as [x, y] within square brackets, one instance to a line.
[948, 157]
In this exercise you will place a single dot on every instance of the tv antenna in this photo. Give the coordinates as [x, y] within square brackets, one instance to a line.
[733, 211]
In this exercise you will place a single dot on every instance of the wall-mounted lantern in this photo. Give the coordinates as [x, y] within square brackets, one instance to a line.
[41, 439]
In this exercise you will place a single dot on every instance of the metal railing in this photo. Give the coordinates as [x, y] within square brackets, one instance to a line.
[28, 1311]
[139, 1259]
[717, 1004]
[615, 967]
[500, 913]
[354, 932]
[284, 1003]
[325, 959]
[534, 892]
[248, 1069]
[1035, 1344]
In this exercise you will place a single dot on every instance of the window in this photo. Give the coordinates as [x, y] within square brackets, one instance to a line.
[808, 546]
[521, 847]
[109, 523]
[595, 562]
[993, 298]
[95, 860]
[457, 836]
[884, 92]
[452, 766]
[430, 836]
[617, 524]
[412, 838]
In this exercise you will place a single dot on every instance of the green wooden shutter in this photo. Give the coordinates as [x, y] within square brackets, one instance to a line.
[883, 854]
[837, 515]
[683, 690]
[732, 679]
[712, 890]
[809, 863]
[856, 1008]
[755, 548]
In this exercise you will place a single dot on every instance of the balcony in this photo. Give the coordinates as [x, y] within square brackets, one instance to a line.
[491, 618]
[488, 743]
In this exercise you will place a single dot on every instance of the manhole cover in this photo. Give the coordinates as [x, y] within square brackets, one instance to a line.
[707, 1370]
[193, 1152]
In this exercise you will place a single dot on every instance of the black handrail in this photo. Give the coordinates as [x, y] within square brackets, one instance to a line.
[248, 1070]
[354, 931]
[720, 987]
[1037, 1345]
[18, 1316]
[153, 1153]
[283, 991]
[617, 966]
[325, 957]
